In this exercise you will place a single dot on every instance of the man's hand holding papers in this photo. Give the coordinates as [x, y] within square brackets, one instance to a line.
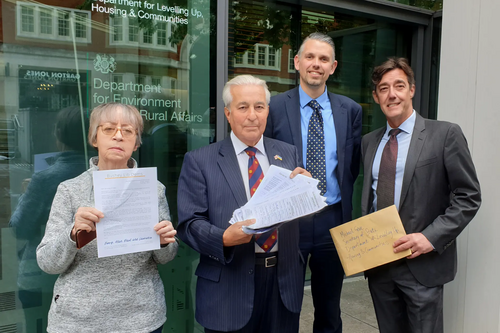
[234, 235]
[278, 199]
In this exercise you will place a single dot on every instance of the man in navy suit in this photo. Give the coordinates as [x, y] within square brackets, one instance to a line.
[241, 287]
[290, 120]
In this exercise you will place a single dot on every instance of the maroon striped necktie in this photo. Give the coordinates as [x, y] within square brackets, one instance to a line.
[255, 175]
[387, 171]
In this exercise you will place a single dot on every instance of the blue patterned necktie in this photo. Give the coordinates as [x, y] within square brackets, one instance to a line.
[315, 159]
[387, 171]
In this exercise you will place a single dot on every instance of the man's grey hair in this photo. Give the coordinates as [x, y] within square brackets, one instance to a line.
[321, 37]
[243, 80]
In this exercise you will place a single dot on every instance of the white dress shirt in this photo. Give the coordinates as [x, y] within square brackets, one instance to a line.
[241, 155]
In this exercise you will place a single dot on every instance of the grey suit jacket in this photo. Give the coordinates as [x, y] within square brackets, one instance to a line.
[440, 193]
[210, 189]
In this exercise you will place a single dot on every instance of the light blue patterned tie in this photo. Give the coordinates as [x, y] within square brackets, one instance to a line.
[315, 159]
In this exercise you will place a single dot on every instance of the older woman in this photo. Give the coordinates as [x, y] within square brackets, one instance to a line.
[112, 294]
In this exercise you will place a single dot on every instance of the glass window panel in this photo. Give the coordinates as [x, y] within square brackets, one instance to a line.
[46, 21]
[251, 56]
[291, 63]
[46, 89]
[161, 33]
[250, 34]
[156, 80]
[141, 79]
[117, 28]
[147, 37]
[238, 59]
[27, 19]
[63, 23]
[172, 85]
[174, 91]
[117, 78]
[43, 22]
[361, 43]
[133, 30]
[272, 57]
[80, 25]
[262, 55]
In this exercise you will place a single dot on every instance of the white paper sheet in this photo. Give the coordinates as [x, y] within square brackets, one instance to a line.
[128, 198]
[279, 199]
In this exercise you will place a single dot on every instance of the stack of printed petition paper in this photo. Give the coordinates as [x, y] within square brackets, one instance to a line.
[279, 199]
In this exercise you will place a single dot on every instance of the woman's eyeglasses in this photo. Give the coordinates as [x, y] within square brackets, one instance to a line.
[111, 130]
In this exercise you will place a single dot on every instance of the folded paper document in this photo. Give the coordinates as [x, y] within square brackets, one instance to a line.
[367, 242]
[279, 199]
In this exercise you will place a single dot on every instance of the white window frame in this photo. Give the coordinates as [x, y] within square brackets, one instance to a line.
[118, 78]
[173, 85]
[156, 80]
[167, 31]
[246, 64]
[54, 11]
[140, 43]
[291, 57]
[139, 79]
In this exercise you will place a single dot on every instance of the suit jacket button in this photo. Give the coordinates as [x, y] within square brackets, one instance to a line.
[250, 271]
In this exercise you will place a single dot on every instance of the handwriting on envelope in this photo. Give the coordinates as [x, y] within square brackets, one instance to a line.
[366, 242]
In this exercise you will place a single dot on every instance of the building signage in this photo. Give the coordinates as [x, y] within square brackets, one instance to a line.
[43, 75]
[145, 9]
[104, 63]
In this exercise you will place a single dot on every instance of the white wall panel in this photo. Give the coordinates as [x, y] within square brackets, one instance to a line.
[468, 95]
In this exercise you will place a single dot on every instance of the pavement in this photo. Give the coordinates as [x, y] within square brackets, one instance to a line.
[356, 305]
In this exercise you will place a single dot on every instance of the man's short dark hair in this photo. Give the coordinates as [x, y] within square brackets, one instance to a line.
[389, 65]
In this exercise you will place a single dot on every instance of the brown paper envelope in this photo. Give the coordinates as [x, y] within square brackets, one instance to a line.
[366, 242]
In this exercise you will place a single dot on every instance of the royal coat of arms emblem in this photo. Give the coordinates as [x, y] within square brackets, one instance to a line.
[104, 64]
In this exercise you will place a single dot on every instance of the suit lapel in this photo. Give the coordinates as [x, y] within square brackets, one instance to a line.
[292, 106]
[274, 156]
[277, 157]
[340, 121]
[416, 145]
[230, 168]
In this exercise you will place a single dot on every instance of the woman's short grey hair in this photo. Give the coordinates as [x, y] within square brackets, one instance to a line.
[109, 113]
[321, 37]
[243, 80]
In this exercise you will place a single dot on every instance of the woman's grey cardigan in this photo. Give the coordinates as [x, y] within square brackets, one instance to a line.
[112, 294]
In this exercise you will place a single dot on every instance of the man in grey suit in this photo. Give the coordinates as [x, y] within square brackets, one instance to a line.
[245, 284]
[425, 168]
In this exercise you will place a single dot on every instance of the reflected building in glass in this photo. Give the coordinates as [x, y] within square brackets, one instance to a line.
[59, 59]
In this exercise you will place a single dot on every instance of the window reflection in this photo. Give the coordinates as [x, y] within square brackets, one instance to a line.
[41, 74]
[74, 54]
[265, 31]
[30, 216]
[426, 4]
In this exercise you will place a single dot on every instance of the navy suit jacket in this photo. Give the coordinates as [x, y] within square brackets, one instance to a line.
[283, 123]
[440, 194]
[210, 189]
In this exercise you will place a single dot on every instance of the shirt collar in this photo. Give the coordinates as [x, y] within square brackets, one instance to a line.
[239, 146]
[305, 98]
[407, 126]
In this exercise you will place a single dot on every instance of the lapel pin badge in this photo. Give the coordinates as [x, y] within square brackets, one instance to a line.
[278, 157]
